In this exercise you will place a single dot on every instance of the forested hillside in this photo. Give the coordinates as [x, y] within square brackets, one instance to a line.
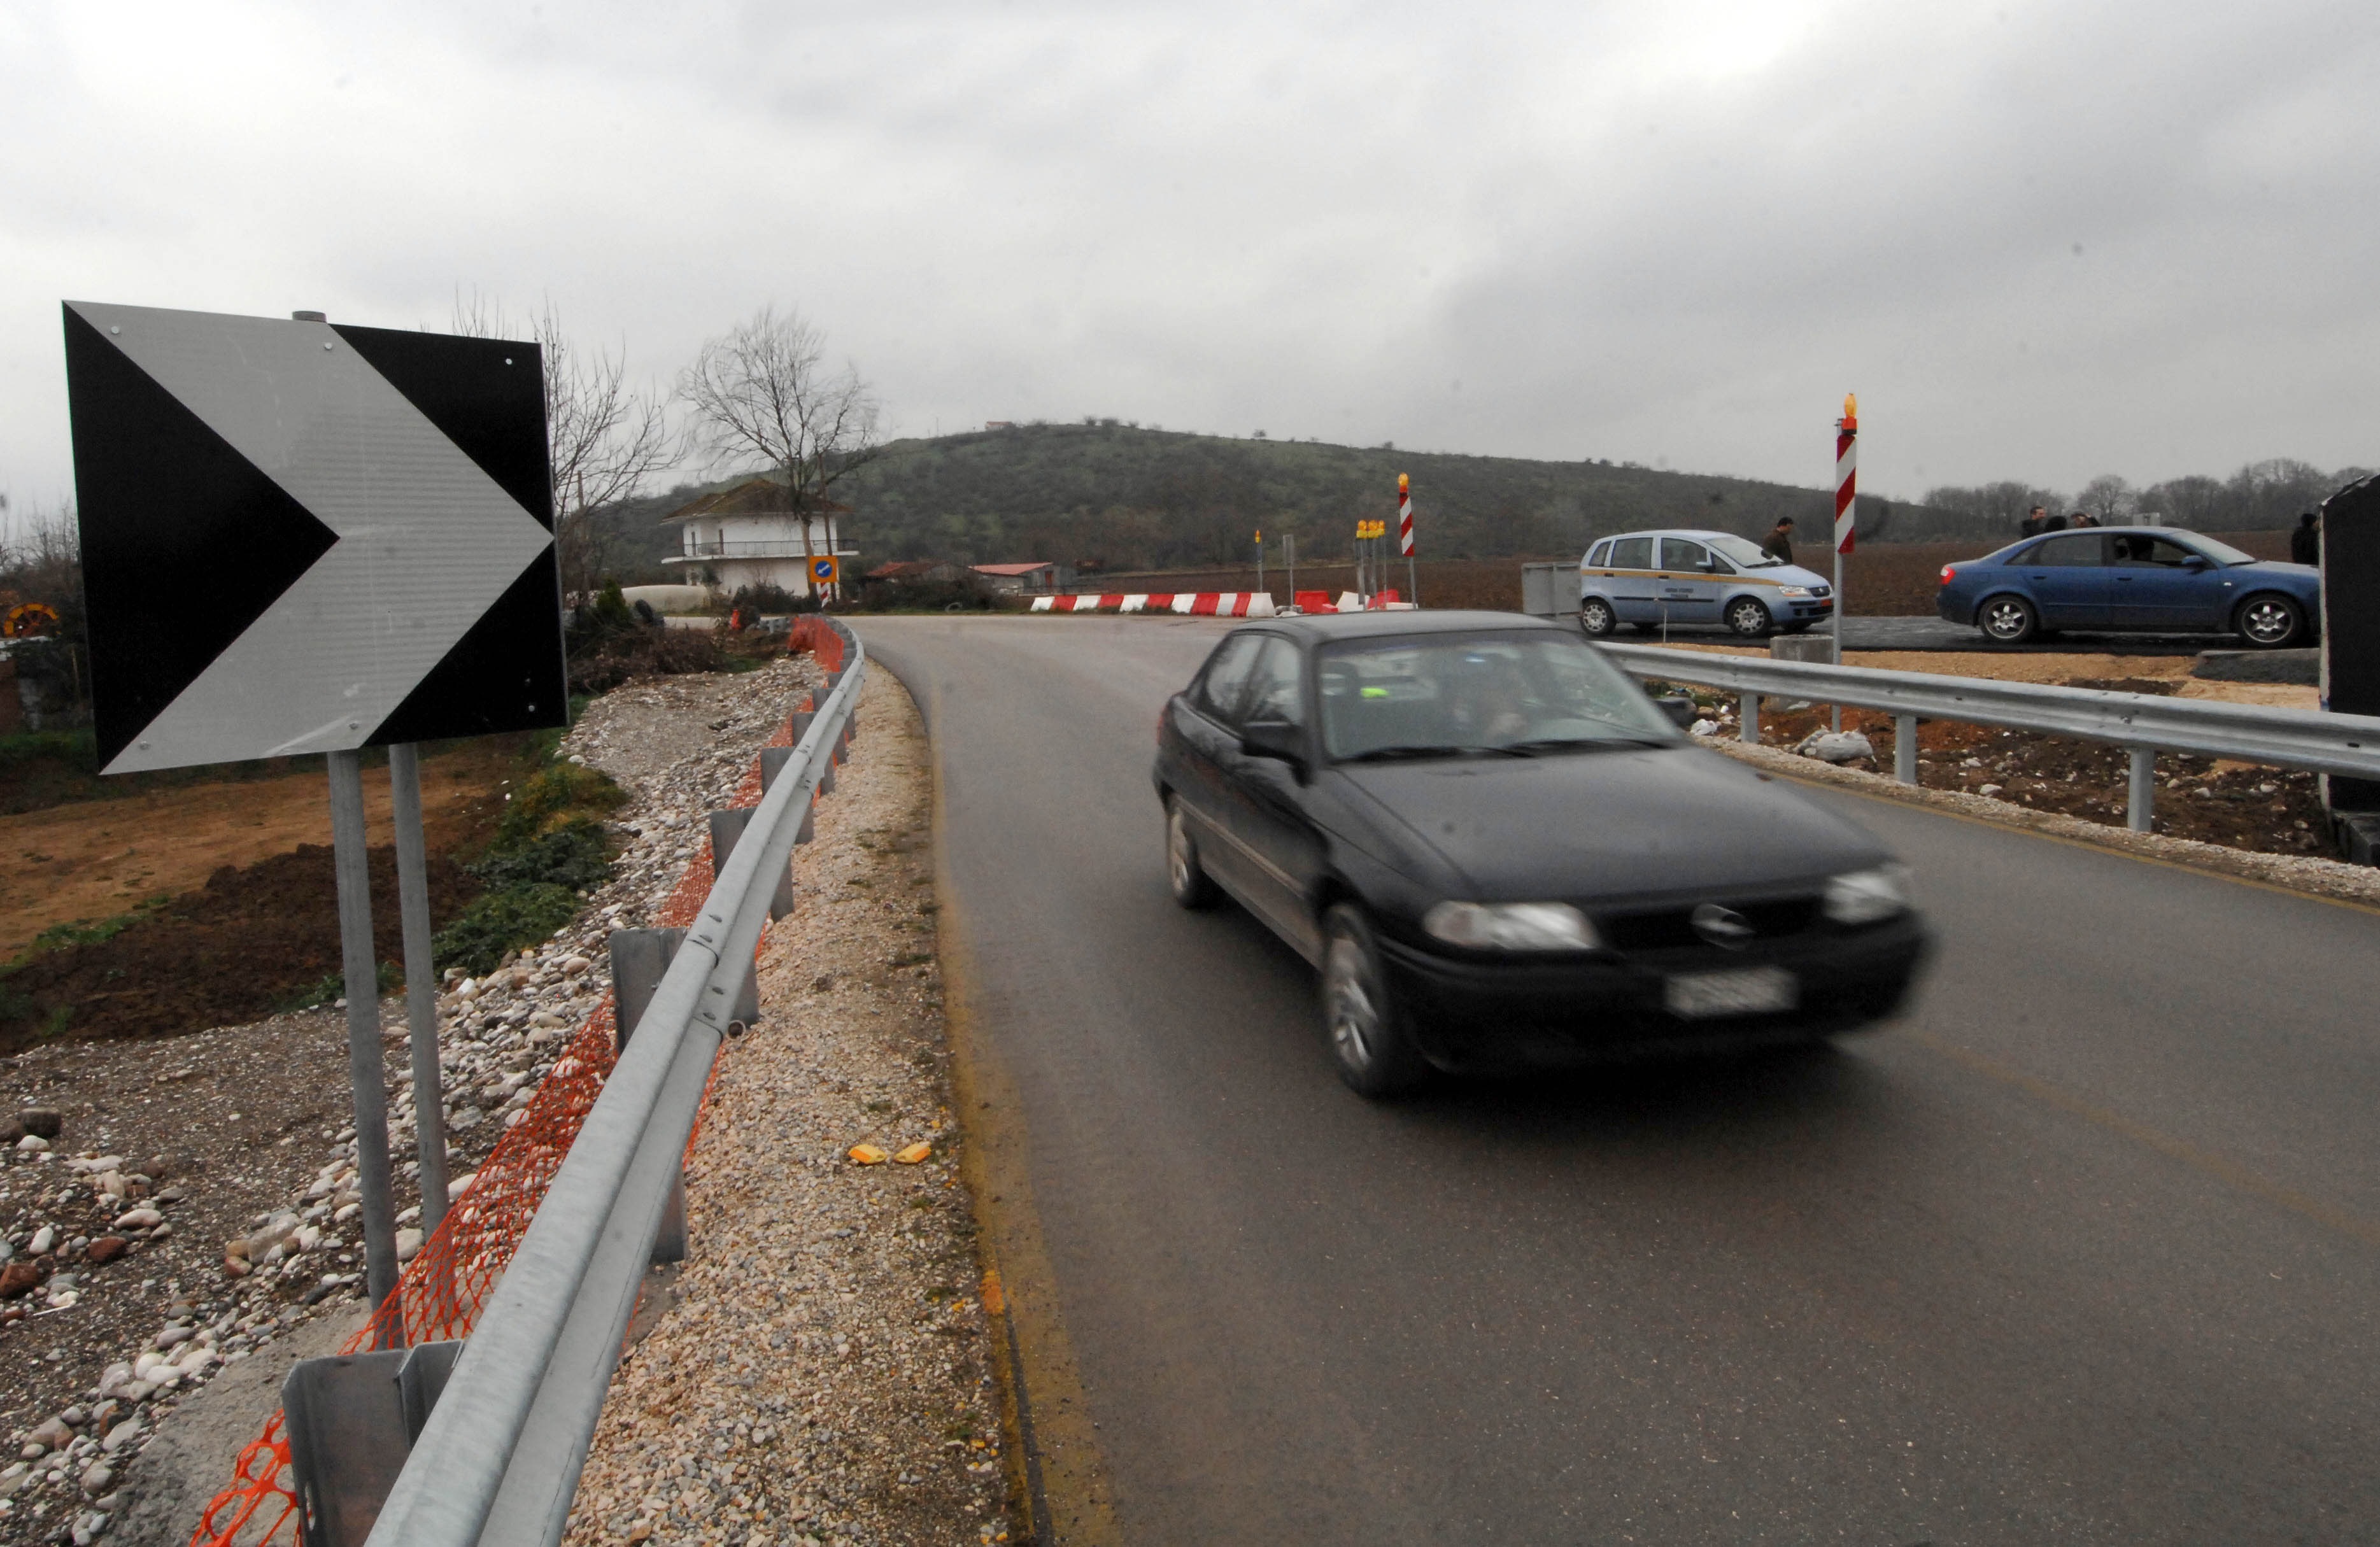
[1125, 497]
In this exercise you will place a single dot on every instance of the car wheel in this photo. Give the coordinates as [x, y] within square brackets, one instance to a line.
[1748, 618]
[1187, 880]
[1369, 1041]
[2008, 620]
[2268, 621]
[1595, 618]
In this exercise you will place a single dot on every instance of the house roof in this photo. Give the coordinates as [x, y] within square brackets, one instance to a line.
[1016, 569]
[908, 569]
[754, 496]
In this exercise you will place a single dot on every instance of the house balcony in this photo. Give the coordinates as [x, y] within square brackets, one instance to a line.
[753, 549]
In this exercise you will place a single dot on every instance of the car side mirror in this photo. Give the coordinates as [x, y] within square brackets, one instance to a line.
[1274, 738]
[2197, 561]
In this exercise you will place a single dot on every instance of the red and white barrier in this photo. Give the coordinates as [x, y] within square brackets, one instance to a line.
[1193, 604]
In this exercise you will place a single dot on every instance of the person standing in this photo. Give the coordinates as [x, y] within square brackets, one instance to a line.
[2082, 518]
[2305, 543]
[1779, 545]
[2034, 523]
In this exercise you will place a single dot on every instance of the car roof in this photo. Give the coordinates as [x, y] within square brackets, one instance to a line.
[1322, 626]
[1700, 534]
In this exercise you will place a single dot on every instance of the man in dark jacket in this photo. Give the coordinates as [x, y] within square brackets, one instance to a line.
[2305, 543]
[1779, 545]
[2034, 523]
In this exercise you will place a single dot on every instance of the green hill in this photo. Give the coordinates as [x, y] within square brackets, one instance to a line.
[1131, 498]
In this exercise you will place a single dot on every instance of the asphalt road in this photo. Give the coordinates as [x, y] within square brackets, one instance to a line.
[2085, 1249]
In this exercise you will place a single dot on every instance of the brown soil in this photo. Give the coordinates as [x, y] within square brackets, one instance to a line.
[1883, 579]
[2240, 805]
[97, 858]
[250, 941]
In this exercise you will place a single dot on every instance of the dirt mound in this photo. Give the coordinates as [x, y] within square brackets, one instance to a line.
[252, 940]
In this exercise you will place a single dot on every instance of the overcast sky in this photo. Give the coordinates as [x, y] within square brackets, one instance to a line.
[2040, 240]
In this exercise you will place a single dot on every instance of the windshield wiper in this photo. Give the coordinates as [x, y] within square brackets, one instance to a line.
[1578, 743]
[1393, 754]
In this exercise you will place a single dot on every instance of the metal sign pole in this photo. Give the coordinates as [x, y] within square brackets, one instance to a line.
[420, 980]
[1288, 545]
[363, 1024]
[1846, 513]
[1260, 585]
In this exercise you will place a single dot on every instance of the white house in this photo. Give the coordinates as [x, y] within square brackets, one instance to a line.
[746, 536]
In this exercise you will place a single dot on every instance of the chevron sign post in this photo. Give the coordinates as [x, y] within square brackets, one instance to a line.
[298, 539]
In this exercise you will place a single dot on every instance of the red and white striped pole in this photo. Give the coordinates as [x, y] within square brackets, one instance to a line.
[1404, 536]
[1846, 512]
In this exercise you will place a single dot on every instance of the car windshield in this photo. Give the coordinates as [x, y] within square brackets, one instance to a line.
[2221, 553]
[1449, 696]
[1741, 552]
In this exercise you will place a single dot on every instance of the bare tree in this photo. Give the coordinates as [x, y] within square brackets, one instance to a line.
[763, 394]
[604, 437]
[2109, 498]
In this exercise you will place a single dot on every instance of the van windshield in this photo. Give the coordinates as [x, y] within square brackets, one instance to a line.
[1743, 552]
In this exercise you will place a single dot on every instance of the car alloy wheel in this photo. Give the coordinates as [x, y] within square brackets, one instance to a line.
[2007, 620]
[1369, 1042]
[1748, 618]
[1596, 617]
[1188, 880]
[2270, 621]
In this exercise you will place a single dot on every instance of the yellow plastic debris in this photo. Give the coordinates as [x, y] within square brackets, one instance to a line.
[868, 1154]
[914, 1153]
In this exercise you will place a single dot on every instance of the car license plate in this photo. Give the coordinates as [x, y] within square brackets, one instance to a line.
[1743, 991]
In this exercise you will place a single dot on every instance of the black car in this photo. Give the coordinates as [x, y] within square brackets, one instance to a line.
[1501, 854]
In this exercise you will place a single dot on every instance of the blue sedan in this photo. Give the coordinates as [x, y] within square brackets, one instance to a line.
[2142, 579]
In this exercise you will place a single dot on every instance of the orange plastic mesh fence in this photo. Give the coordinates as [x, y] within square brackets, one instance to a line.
[442, 1290]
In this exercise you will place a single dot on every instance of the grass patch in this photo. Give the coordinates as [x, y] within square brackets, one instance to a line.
[550, 849]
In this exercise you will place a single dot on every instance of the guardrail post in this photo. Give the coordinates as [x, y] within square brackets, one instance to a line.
[639, 959]
[726, 831]
[1904, 748]
[799, 721]
[1749, 712]
[2140, 810]
[351, 1421]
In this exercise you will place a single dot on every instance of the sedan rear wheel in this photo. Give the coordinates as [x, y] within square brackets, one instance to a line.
[1368, 1036]
[1596, 617]
[2268, 621]
[1749, 618]
[1188, 880]
[2008, 620]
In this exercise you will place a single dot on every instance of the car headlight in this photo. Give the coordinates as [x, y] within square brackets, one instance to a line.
[1510, 926]
[1865, 896]
[1799, 592]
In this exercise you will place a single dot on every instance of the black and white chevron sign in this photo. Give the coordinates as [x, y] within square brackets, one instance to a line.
[304, 536]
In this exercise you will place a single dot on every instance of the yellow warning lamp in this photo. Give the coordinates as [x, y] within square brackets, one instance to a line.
[1850, 412]
[1405, 485]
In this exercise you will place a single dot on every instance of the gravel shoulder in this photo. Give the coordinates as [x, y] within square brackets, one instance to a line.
[821, 1368]
[191, 1209]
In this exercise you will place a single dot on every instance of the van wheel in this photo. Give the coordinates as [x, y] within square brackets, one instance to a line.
[1747, 618]
[1595, 619]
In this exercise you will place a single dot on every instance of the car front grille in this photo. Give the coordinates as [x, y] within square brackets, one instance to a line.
[1673, 928]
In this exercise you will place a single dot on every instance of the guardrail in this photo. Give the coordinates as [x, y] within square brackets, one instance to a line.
[2144, 723]
[498, 1459]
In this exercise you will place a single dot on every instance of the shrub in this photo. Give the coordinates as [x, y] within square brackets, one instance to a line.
[553, 796]
[573, 854]
[765, 597]
[499, 921]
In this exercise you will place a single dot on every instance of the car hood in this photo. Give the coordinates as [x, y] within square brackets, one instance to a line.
[1788, 575]
[2276, 568]
[1602, 827]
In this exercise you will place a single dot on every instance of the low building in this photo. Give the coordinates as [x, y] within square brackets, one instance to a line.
[1027, 579]
[749, 536]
